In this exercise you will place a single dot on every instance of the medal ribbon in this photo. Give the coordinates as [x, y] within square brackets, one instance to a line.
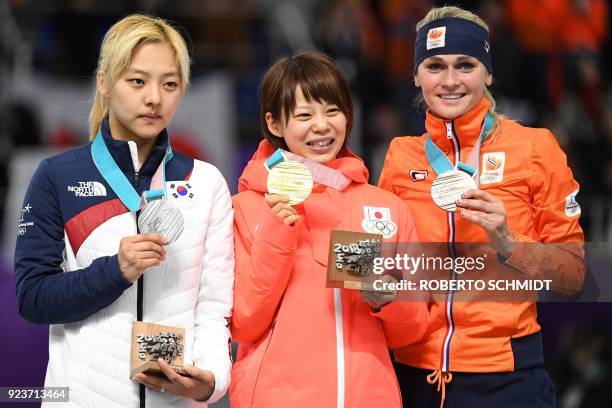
[440, 163]
[320, 174]
[119, 183]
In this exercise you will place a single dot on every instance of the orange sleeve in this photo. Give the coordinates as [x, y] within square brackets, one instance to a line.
[404, 321]
[264, 261]
[558, 252]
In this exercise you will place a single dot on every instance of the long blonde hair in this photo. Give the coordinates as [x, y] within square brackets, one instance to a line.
[117, 50]
[437, 13]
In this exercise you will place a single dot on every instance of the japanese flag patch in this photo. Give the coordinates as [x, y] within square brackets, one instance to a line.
[377, 220]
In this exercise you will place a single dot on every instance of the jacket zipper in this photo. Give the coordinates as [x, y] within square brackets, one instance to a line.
[140, 283]
[450, 134]
[339, 347]
[262, 359]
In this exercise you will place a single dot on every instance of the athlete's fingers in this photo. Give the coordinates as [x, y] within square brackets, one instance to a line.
[149, 255]
[149, 236]
[292, 219]
[272, 199]
[475, 204]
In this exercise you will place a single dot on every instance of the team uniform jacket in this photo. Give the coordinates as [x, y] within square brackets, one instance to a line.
[301, 343]
[68, 274]
[526, 169]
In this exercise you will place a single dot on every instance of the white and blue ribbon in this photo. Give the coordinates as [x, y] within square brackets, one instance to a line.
[119, 183]
[441, 164]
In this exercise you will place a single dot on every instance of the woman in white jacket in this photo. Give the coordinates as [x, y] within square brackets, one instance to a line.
[84, 266]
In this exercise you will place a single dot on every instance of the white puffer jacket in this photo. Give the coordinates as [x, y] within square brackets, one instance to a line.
[191, 289]
[73, 218]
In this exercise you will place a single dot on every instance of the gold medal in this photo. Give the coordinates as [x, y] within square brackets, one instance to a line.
[448, 187]
[292, 179]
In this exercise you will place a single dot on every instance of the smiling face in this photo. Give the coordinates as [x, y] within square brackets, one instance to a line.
[452, 84]
[144, 99]
[315, 130]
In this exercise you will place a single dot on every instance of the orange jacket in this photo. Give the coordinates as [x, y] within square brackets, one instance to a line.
[528, 172]
[301, 343]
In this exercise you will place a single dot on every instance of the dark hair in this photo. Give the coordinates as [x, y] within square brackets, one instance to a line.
[318, 76]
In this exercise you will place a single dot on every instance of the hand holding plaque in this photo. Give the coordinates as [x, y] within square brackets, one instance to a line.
[152, 341]
[351, 258]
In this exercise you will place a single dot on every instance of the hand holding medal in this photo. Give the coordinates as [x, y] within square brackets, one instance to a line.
[139, 252]
[449, 186]
[282, 209]
[455, 187]
[484, 209]
[452, 182]
[161, 217]
[291, 179]
[289, 183]
[159, 223]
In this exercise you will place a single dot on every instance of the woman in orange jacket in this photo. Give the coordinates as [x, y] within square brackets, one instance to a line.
[481, 354]
[302, 344]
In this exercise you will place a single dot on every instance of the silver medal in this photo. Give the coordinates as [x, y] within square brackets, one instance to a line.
[448, 187]
[161, 217]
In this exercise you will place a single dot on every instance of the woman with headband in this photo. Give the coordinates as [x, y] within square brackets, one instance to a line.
[124, 229]
[476, 176]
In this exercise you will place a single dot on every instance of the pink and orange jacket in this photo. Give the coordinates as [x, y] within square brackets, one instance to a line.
[300, 342]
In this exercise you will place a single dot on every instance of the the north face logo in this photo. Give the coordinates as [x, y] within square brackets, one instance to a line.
[88, 189]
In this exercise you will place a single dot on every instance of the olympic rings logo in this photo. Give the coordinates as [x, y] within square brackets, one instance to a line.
[384, 227]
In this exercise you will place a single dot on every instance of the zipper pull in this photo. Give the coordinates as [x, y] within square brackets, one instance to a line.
[136, 174]
[449, 130]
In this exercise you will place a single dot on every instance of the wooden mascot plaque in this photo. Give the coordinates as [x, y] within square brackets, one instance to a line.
[151, 341]
[351, 255]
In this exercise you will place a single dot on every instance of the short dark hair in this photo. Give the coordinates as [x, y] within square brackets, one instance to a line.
[320, 79]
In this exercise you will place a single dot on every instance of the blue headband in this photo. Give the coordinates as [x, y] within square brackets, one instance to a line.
[452, 36]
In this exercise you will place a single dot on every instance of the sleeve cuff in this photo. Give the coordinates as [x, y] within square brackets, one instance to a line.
[221, 386]
[115, 273]
[522, 258]
[391, 311]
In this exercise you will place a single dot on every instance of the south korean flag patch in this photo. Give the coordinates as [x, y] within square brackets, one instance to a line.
[180, 190]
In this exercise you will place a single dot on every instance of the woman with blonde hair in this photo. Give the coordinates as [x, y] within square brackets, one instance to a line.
[122, 229]
[478, 177]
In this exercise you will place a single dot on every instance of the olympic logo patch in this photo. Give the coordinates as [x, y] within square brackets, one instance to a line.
[436, 37]
[377, 220]
[492, 167]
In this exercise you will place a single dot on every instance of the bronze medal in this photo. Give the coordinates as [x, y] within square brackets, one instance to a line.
[448, 187]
